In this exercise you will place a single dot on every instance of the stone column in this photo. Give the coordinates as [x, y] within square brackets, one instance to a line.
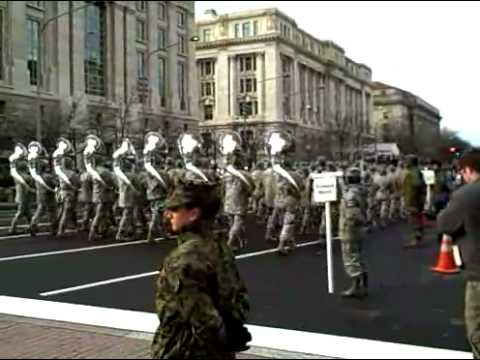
[233, 86]
[296, 91]
[261, 83]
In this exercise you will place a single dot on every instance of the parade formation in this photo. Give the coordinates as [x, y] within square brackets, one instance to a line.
[125, 192]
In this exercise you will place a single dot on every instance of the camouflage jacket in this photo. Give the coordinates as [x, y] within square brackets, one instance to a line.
[352, 211]
[104, 192]
[237, 193]
[287, 196]
[86, 190]
[68, 191]
[414, 189]
[199, 286]
[269, 187]
[22, 193]
[45, 196]
[155, 189]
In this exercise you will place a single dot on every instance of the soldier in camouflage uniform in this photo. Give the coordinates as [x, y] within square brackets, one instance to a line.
[69, 196]
[126, 202]
[201, 301]
[104, 193]
[414, 194]
[24, 187]
[45, 184]
[352, 212]
[382, 183]
[288, 196]
[238, 187]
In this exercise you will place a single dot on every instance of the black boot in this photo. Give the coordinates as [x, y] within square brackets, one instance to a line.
[357, 289]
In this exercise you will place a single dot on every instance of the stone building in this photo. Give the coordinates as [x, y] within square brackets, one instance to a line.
[114, 67]
[406, 119]
[258, 71]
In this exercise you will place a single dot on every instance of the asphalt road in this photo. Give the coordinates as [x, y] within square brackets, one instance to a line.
[408, 303]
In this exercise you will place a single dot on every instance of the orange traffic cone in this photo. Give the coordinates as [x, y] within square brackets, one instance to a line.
[446, 261]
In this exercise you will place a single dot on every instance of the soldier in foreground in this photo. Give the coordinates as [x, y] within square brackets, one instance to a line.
[201, 301]
[24, 188]
[352, 218]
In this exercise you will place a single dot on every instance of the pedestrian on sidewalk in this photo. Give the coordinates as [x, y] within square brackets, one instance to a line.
[201, 301]
[461, 221]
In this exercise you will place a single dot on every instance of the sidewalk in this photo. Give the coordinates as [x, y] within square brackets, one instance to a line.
[25, 338]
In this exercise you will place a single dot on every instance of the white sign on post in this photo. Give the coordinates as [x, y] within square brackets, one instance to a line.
[429, 177]
[325, 190]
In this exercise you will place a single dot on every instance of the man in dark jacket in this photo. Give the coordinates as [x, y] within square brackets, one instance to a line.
[461, 220]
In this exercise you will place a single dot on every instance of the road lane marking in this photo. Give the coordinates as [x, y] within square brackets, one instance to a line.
[301, 342]
[71, 251]
[154, 273]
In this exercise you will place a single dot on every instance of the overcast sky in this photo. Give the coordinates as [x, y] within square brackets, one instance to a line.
[430, 49]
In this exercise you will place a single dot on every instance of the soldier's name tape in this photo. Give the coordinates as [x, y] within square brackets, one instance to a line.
[153, 273]
[262, 337]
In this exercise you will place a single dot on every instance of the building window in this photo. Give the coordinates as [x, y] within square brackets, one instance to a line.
[141, 30]
[207, 35]
[182, 50]
[1, 44]
[246, 29]
[237, 31]
[181, 18]
[162, 81]
[141, 6]
[140, 65]
[255, 28]
[182, 85]
[207, 89]
[207, 68]
[162, 11]
[248, 63]
[208, 110]
[162, 39]
[94, 50]
[32, 50]
[248, 85]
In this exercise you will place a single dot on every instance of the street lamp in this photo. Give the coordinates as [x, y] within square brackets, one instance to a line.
[40, 81]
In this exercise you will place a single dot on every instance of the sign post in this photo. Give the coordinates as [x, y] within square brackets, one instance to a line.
[325, 190]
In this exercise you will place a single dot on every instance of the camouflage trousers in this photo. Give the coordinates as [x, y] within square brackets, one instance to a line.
[156, 225]
[23, 210]
[289, 228]
[394, 209]
[103, 216]
[384, 212]
[472, 316]
[273, 224]
[351, 241]
[140, 218]
[372, 212]
[237, 234]
[51, 210]
[68, 215]
[88, 213]
[126, 228]
[415, 219]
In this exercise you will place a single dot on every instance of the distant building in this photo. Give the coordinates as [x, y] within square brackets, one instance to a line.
[406, 119]
[259, 71]
[100, 66]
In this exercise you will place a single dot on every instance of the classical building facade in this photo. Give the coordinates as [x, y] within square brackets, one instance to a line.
[259, 71]
[406, 119]
[115, 67]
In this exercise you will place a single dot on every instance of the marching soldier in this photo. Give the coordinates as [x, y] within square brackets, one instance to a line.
[86, 199]
[69, 183]
[414, 194]
[158, 182]
[238, 187]
[104, 185]
[257, 177]
[24, 187]
[45, 184]
[352, 207]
